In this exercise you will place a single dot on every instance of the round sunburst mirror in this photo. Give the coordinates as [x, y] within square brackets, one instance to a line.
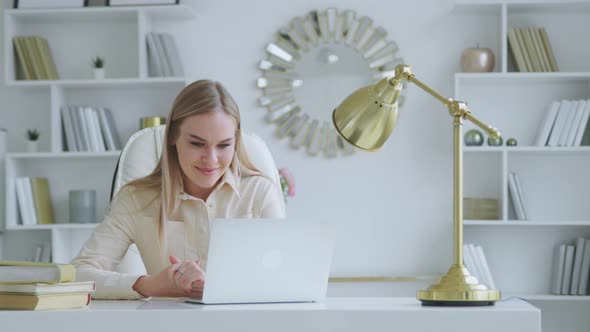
[314, 63]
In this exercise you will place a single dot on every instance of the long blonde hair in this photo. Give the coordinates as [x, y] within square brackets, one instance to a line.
[198, 97]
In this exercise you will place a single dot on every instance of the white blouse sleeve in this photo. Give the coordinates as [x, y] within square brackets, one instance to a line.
[107, 246]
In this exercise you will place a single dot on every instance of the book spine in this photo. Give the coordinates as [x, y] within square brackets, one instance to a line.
[514, 197]
[558, 266]
[67, 273]
[577, 267]
[43, 207]
[585, 269]
[548, 49]
[567, 269]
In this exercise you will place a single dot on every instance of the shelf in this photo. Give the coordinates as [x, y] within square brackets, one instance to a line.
[101, 13]
[51, 226]
[525, 77]
[94, 83]
[527, 149]
[548, 297]
[525, 223]
[549, 8]
[61, 155]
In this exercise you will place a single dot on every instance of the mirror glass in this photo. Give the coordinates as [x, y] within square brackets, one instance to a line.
[314, 63]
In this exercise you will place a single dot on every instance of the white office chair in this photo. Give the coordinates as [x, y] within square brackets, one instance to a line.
[141, 154]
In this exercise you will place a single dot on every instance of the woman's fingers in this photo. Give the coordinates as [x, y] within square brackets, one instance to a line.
[173, 271]
[187, 274]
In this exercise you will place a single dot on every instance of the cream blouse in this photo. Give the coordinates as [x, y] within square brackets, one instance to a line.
[134, 218]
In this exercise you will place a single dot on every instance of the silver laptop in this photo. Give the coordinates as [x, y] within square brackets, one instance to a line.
[261, 261]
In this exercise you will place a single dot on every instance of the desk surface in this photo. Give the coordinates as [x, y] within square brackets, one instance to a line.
[337, 314]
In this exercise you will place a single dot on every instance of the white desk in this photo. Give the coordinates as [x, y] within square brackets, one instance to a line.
[335, 314]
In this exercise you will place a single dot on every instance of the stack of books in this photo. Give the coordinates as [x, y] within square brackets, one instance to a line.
[163, 57]
[565, 124]
[475, 261]
[34, 201]
[42, 286]
[531, 50]
[571, 268]
[480, 208]
[517, 197]
[90, 129]
[34, 59]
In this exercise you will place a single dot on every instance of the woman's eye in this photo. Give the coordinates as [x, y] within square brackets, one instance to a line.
[198, 144]
[223, 146]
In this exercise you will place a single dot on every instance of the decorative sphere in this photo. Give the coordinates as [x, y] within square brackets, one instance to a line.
[511, 142]
[495, 141]
[473, 137]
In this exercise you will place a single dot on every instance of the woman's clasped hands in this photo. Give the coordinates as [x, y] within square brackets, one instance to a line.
[180, 279]
[188, 276]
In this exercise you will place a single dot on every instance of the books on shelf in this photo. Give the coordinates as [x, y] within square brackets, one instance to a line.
[34, 200]
[480, 208]
[89, 129]
[163, 57]
[516, 194]
[475, 261]
[565, 124]
[30, 272]
[30, 4]
[531, 50]
[33, 59]
[571, 268]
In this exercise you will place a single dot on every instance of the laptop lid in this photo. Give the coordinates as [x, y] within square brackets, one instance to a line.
[264, 260]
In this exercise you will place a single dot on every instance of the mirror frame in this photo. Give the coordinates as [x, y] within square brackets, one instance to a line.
[279, 73]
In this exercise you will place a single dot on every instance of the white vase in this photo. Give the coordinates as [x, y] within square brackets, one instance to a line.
[33, 146]
[99, 73]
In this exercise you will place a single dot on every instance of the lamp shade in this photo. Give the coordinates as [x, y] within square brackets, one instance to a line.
[367, 117]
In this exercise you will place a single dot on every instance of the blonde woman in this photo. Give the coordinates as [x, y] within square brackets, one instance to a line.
[203, 174]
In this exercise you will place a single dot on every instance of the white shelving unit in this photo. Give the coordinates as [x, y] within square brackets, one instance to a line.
[555, 180]
[117, 34]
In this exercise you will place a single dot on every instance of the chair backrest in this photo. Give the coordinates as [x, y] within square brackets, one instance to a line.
[141, 154]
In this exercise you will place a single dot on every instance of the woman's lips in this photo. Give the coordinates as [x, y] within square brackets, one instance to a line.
[206, 171]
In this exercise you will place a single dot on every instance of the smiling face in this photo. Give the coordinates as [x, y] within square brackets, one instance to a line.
[206, 144]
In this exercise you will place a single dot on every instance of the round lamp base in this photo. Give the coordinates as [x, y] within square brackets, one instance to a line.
[458, 288]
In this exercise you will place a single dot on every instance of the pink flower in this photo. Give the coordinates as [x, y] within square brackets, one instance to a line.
[287, 181]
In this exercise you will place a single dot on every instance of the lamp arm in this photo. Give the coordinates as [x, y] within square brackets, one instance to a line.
[456, 108]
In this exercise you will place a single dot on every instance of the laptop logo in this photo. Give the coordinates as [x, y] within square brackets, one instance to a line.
[272, 260]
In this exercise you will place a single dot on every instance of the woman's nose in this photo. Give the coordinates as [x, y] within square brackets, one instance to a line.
[210, 154]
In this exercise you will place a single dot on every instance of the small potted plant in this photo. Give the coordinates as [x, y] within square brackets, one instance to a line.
[98, 65]
[33, 140]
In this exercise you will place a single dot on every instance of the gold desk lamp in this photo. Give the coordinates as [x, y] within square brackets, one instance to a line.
[365, 119]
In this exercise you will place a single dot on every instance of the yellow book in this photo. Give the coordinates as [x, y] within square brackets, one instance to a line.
[42, 289]
[10, 301]
[548, 49]
[34, 58]
[525, 52]
[530, 47]
[30, 272]
[43, 56]
[22, 58]
[516, 51]
[53, 75]
[546, 67]
[42, 200]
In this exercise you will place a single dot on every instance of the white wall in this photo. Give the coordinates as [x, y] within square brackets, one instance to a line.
[393, 208]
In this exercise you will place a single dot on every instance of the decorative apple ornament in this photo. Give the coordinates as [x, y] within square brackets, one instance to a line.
[477, 60]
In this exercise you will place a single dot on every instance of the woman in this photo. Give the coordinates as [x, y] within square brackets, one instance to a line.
[203, 174]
